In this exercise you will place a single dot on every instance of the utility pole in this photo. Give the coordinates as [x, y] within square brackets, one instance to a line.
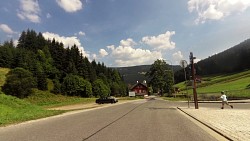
[194, 80]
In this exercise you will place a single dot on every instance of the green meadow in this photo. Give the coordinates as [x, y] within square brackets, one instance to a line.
[236, 86]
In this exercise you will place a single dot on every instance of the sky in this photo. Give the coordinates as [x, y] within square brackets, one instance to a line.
[123, 33]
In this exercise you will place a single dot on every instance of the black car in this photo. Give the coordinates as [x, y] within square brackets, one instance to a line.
[103, 100]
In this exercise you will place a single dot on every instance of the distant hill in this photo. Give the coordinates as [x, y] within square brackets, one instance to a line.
[137, 73]
[234, 59]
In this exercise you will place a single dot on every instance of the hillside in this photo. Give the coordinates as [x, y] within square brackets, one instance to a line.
[234, 59]
[63, 64]
[16, 110]
[137, 73]
[236, 84]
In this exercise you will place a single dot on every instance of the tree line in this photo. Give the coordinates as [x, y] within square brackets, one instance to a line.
[72, 74]
[232, 60]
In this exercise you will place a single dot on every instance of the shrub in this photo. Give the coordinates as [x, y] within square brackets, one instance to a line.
[100, 89]
[74, 85]
[19, 83]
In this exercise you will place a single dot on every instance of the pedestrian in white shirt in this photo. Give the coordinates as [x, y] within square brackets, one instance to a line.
[224, 100]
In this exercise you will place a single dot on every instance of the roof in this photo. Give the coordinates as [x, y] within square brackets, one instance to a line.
[143, 84]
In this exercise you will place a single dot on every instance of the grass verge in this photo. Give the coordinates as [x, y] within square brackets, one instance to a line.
[14, 110]
[49, 100]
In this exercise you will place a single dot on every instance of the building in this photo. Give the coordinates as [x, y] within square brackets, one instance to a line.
[140, 89]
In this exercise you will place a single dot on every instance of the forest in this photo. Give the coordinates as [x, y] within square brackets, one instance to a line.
[232, 60]
[35, 60]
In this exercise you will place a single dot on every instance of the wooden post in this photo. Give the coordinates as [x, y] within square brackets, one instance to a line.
[194, 80]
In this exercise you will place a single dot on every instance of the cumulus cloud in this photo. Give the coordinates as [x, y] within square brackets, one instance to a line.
[5, 28]
[127, 55]
[70, 5]
[29, 10]
[216, 9]
[103, 52]
[112, 47]
[127, 43]
[67, 41]
[160, 42]
[178, 56]
[94, 56]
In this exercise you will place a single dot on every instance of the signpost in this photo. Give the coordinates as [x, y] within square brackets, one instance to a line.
[131, 94]
[191, 57]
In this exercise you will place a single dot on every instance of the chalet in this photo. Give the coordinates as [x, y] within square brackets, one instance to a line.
[140, 89]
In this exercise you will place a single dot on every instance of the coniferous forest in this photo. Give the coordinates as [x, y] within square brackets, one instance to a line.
[232, 60]
[43, 59]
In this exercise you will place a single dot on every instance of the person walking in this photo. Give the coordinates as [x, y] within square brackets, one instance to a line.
[224, 100]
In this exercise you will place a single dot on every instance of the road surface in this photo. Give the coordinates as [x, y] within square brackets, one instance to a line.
[143, 120]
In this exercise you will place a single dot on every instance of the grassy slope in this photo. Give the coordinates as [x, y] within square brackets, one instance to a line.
[47, 99]
[14, 110]
[3, 72]
[237, 84]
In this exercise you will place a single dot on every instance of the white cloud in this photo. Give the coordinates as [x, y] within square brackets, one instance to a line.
[5, 28]
[70, 5]
[29, 10]
[112, 47]
[81, 33]
[196, 60]
[126, 55]
[67, 41]
[94, 56]
[15, 42]
[177, 56]
[160, 42]
[103, 52]
[216, 9]
[48, 16]
[127, 43]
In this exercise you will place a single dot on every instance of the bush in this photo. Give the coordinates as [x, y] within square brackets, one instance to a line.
[74, 85]
[19, 83]
[100, 89]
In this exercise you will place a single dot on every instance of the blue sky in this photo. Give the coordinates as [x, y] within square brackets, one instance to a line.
[132, 32]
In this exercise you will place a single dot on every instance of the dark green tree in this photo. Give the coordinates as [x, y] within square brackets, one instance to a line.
[87, 89]
[74, 85]
[19, 83]
[41, 77]
[160, 76]
[57, 87]
[100, 89]
[7, 54]
[71, 85]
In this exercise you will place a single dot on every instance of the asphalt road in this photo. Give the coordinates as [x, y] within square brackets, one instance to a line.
[152, 120]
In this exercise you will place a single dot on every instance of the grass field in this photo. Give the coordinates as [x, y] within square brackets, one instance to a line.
[236, 85]
[48, 100]
[14, 110]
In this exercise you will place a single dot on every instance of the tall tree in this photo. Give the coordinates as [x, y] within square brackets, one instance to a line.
[160, 76]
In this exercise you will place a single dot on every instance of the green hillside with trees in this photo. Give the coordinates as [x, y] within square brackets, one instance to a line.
[37, 60]
[233, 60]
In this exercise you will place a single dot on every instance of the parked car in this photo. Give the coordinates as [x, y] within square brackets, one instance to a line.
[109, 99]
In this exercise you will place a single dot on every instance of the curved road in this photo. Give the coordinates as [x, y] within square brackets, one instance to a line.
[143, 120]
